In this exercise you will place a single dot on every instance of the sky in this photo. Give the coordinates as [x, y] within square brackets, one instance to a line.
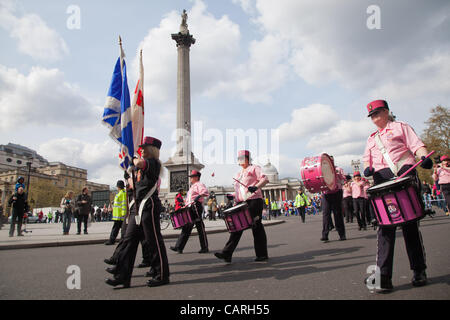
[293, 76]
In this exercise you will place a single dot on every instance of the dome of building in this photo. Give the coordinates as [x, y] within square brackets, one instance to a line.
[270, 171]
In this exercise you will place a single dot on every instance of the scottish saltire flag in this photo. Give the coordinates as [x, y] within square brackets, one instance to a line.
[117, 113]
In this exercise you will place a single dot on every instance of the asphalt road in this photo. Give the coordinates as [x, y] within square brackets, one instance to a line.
[300, 267]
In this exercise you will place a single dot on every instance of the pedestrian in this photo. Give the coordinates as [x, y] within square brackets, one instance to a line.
[19, 204]
[301, 202]
[119, 212]
[247, 187]
[50, 216]
[68, 207]
[83, 203]
[20, 183]
[194, 198]
[144, 220]
[441, 176]
[390, 152]
[332, 202]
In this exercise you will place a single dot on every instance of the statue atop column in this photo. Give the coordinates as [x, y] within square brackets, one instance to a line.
[183, 25]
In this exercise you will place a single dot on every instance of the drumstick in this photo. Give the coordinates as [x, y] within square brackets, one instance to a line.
[239, 182]
[419, 162]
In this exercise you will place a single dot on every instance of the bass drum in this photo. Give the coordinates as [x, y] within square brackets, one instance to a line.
[318, 174]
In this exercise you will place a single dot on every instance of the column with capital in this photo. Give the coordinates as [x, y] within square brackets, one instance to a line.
[183, 159]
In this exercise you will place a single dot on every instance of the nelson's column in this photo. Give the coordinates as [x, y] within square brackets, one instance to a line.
[183, 161]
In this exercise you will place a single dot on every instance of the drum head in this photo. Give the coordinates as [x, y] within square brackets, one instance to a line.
[328, 172]
[390, 184]
[236, 208]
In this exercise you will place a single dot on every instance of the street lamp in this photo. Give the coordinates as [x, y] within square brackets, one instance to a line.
[28, 178]
[186, 126]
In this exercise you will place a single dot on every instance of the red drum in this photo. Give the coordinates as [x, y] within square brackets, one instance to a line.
[396, 202]
[181, 217]
[318, 173]
[238, 218]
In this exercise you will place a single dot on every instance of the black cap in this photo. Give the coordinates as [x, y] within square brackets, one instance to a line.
[120, 184]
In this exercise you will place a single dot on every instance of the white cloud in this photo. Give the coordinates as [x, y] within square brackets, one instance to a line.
[34, 37]
[42, 97]
[307, 121]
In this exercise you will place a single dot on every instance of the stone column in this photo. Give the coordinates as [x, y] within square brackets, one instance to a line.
[183, 159]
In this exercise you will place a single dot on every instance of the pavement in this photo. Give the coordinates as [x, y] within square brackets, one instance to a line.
[50, 234]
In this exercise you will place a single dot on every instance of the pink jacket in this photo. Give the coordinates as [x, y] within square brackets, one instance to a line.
[249, 177]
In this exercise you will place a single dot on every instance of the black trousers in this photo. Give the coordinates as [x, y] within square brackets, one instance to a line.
[150, 231]
[16, 218]
[115, 230]
[359, 208]
[255, 207]
[414, 248]
[84, 219]
[347, 203]
[146, 256]
[187, 229]
[301, 212]
[333, 202]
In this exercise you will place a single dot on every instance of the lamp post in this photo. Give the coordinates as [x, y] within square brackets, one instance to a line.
[186, 127]
[28, 177]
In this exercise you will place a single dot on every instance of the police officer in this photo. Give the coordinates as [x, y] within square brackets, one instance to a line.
[301, 202]
[391, 151]
[119, 212]
[251, 176]
[144, 220]
[195, 196]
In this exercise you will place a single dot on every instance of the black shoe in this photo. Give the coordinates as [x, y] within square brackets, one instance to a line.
[220, 255]
[151, 273]
[116, 282]
[111, 270]
[204, 251]
[365, 228]
[109, 243]
[78, 232]
[419, 279]
[20, 235]
[385, 283]
[176, 249]
[261, 259]
[85, 232]
[157, 282]
[109, 261]
[144, 264]
[343, 238]
[324, 239]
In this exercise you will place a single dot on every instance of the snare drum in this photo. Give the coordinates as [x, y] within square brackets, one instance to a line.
[318, 173]
[396, 202]
[181, 217]
[238, 218]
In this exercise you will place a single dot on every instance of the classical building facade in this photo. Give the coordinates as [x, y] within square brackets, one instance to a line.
[41, 172]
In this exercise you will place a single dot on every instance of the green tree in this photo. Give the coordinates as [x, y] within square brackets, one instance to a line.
[436, 136]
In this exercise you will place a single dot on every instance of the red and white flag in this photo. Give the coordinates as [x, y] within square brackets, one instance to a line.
[137, 109]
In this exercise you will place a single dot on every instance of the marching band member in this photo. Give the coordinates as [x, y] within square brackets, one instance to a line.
[441, 175]
[251, 176]
[197, 192]
[144, 220]
[332, 201]
[389, 152]
[359, 200]
[347, 201]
